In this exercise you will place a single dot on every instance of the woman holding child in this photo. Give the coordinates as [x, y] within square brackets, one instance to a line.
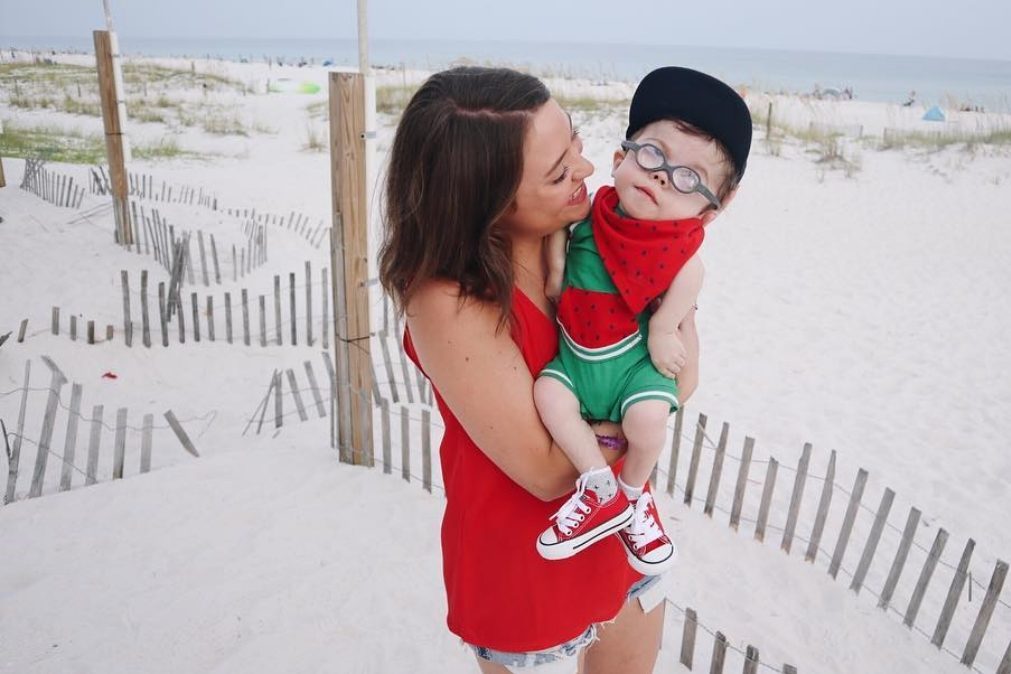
[484, 166]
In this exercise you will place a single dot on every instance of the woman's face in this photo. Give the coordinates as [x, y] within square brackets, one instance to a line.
[552, 191]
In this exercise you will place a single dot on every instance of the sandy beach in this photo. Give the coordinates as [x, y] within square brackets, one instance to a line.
[855, 299]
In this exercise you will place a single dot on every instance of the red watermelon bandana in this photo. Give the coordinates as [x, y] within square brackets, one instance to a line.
[641, 256]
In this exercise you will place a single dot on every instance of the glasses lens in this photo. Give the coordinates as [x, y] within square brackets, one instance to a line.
[685, 179]
[650, 157]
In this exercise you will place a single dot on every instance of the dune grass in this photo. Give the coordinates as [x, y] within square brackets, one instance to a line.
[73, 146]
[897, 139]
[71, 89]
[315, 138]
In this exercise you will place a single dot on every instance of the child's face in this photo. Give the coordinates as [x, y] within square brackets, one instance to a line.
[649, 195]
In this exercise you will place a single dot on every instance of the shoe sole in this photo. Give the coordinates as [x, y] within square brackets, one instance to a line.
[568, 548]
[647, 568]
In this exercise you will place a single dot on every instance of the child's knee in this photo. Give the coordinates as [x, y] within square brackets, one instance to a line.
[645, 423]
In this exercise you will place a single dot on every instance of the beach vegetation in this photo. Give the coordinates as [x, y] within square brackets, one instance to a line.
[81, 106]
[583, 103]
[166, 148]
[73, 89]
[51, 143]
[391, 99]
[146, 114]
[321, 109]
[73, 146]
[996, 134]
[223, 124]
[136, 76]
[316, 140]
[262, 127]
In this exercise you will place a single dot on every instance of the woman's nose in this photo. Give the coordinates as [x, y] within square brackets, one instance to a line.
[584, 169]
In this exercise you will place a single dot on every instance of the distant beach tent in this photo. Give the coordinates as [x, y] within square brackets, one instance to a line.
[935, 114]
[287, 85]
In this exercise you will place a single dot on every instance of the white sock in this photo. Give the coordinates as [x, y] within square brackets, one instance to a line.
[601, 481]
[631, 492]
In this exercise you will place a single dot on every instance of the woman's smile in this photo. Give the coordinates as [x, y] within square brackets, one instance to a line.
[579, 196]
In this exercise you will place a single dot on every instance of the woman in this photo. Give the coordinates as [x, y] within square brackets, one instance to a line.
[484, 165]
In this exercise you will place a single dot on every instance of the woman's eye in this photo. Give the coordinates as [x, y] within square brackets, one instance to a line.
[559, 179]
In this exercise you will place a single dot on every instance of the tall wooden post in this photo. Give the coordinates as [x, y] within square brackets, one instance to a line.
[109, 91]
[3, 183]
[349, 260]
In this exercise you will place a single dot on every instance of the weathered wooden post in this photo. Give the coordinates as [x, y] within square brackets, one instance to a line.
[3, 183]
[349, 257]
[110, 89]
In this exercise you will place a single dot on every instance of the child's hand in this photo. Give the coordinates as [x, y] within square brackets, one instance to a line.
[667, 352]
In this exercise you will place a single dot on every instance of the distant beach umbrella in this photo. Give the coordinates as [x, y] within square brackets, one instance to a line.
[935, 114]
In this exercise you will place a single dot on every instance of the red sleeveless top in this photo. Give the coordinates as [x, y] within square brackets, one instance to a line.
[501, 593]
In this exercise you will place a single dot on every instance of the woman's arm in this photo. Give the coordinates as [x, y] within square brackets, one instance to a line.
[481, 374]
[688, 377]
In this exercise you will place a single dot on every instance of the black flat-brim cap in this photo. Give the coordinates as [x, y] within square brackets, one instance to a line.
[701, 100]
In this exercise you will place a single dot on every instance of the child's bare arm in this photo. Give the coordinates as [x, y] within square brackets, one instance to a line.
[554, 253]
[688, 377]
[666, 348]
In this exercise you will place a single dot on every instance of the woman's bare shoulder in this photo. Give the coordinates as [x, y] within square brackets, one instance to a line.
[438, 301]
[438, 295]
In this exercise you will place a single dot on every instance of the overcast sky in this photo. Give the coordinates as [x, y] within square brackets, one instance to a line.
[961, 28]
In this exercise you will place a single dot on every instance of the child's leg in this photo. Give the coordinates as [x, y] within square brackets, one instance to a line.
[645, 427]
[650, 550]
[559, 410]
[597, 509]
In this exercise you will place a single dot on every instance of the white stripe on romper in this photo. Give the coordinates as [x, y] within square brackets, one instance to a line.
[648, 394]
[559, 374]
[604, 352]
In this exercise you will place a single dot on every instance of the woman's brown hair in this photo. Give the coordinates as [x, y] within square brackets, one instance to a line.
[454, 169]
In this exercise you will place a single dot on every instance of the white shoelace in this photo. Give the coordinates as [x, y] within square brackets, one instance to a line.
[574, 510]
[644, 529]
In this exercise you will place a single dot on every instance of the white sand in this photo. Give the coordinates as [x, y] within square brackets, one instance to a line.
[863, 314]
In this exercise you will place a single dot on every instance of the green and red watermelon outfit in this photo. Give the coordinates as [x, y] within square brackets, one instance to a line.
[615, 267]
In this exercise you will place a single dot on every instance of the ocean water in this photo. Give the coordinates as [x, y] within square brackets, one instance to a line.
[889, 78]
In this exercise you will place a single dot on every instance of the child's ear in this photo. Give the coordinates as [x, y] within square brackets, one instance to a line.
[619, 156]
[710, 215]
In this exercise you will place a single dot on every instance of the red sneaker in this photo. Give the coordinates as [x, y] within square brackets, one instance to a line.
[650, 551]
[583, 521]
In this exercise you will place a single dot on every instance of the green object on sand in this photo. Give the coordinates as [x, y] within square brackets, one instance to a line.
[290, 86]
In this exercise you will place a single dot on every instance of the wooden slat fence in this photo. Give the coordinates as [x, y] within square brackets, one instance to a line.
[211, 262]
[56, 188]
[313, 231]
[297, 313]
[894, 562]
[144, 186]
[61, 448]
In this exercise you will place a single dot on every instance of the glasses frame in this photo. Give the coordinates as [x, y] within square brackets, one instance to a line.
[633, 147]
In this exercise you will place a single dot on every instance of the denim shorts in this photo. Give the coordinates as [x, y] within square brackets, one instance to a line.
[563, 654]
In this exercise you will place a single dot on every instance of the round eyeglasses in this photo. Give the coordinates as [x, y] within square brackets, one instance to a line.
[684, 179]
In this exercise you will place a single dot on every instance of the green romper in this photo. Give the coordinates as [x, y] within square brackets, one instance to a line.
[605, 364]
